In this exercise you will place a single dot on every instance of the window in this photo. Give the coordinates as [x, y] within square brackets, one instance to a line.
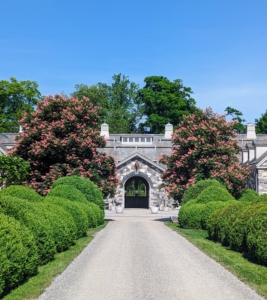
[148, 140]
[130, 139]
[124, 139]
[143, 140]
[136, 140]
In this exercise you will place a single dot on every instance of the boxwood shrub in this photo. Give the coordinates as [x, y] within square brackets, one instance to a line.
[26, 213]
[214, 193]
[193, 191]
[191, 202]
[248, 195]
[100, 214]
[210, 208]
[190, 216]
[260, 199]
[64, 230]
[67, 192]
[219, 224]
[76, 210]
[87, 187]
[257, 234]
[21, 192]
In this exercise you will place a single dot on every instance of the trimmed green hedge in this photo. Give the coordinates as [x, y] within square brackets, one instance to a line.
[87, 187]
[210, 208]
[18, 253]
[76, 210]
[257, 234]
[248, 195]
[64, 230]
[214, 193]
[21, 192]
[25, 212]
[67, 192]
[190, 216]
[260, 199]
[221, 221]
[193, 191]
[100, 214]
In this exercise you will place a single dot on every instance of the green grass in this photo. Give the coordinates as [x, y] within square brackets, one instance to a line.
[36, 285]
[250, 273]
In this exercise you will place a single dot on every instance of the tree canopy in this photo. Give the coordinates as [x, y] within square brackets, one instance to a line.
[16, 97]
[261, 124]
[237, 118]
[163, 102]
[61, 139]
[204, 147]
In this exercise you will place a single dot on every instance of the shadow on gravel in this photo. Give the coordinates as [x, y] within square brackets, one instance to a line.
[162, 220]
[109, 220]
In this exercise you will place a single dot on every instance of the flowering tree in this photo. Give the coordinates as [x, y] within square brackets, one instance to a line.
[203, 147]
[60, 139]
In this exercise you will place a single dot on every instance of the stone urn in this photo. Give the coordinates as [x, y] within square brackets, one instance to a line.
[119, 209]
[166, 208]
[154, 209]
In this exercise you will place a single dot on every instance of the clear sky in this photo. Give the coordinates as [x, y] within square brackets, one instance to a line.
[218, 48]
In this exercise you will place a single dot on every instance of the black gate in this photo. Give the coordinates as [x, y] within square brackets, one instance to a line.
[136, 193]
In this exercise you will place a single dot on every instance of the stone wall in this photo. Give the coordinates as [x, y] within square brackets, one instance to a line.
[262, 181]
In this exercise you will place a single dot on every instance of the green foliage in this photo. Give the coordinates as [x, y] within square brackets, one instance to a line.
[64, 230]
[237, 118]
[164, 102]
[214, 193]
[204, 146]
[13, 170]
[69, 192]
[13, 254]
[25, 212]
[194, 190]
[16, 97]
[21, 192]
[87, 187]
[61, 139]
[261, 198]
[261, 124]
[100, 214]
[189, 203]
[257, 234]
[76, 210]
[220, 223]
[210, 208]
[191, 216]
[248, 195]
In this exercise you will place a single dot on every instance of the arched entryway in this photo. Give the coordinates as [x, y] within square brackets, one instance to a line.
[136, 193]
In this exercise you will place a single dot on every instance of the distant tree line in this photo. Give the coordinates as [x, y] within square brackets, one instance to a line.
[125, 106]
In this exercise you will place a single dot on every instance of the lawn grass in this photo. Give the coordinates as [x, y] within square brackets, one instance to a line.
[250, 273]
[36, 285]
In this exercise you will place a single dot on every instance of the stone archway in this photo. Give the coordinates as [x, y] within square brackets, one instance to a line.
[136, 192]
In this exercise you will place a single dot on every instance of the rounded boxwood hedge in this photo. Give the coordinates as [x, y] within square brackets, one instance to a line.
[219, 223]
[260, 199]
[257, 234]
[190, 216]
[100, 214]
[214, 193]
[64, 230]
[191, 202]
[210, 208]
[193, 191]
[13, 254]
[67, 192]
[25, 212]
[248, 195]
[21, 192]
[76, 210]
[87, 187]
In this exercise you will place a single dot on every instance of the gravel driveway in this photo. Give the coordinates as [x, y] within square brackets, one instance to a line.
[140, 258]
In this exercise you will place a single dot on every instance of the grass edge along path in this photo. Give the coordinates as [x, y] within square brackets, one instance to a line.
[252, 274]
[36, 285]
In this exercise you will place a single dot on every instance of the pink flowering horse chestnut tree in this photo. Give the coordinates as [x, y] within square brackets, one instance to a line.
[204, 146]
[61, 139]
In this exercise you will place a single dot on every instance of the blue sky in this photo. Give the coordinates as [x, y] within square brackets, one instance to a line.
[218, 48]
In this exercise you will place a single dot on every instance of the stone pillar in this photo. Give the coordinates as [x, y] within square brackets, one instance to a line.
[104, 130]
[251, 133]
[168, 131]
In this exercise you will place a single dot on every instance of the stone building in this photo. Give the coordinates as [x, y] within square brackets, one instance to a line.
[137, 158]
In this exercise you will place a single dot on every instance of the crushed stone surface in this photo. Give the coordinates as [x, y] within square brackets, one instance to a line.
[140, 258]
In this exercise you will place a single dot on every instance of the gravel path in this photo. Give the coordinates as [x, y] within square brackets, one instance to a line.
[140, 258]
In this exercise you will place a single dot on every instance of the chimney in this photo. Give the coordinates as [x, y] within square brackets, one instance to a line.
[104, 130]
[251, 133]
[168, 131]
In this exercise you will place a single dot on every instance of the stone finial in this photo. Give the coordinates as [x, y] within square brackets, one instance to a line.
[168, 131]
[20, 129]
[104, 130]
[251, 133]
